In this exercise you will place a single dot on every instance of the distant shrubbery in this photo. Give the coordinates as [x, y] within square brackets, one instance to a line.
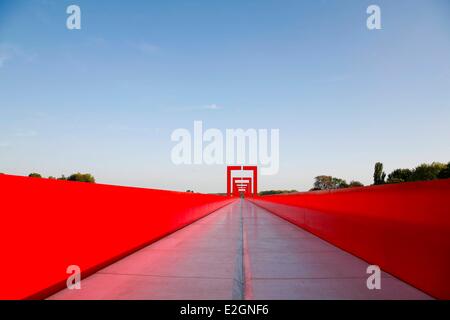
[269, 192]
[34, 175]
[78, 177]
[82, 177]
[330, 183]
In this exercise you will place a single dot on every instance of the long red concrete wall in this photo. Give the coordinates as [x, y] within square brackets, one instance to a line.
[403, 228]
[47, 225]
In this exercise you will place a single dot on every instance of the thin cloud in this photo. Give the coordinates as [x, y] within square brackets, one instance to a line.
[97, 41]
[148, 48]
[336, 78]
[9, 52]
[26, 134]
[6, 53]
[212, 107]
[209, 107]
[132, 129]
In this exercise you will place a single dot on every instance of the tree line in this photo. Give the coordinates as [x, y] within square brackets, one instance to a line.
[423, 172]
[77, 177]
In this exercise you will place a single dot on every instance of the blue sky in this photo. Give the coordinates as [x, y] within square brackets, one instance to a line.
[105, 99]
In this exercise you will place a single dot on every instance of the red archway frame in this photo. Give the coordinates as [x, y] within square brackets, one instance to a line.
[254, 169]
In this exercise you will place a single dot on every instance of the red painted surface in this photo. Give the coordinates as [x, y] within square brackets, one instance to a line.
[253, 169]
[403, 228]
[47, 225]
[230, 169]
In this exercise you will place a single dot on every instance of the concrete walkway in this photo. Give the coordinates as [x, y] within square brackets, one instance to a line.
[239, 252]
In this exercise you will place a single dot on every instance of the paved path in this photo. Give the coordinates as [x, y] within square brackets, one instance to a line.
[239, 252]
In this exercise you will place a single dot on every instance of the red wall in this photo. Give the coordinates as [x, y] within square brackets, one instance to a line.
[403, 228]
[47, 225]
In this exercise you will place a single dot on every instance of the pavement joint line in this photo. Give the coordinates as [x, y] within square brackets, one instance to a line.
[247, 277]
[182, 249]
[160, 276]
[239, 285]
[312, 278]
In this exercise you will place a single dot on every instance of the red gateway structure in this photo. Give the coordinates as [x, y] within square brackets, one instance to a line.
[242, 184]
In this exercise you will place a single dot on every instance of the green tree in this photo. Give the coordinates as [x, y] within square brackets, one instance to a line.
[379, 176]
[35, 175]
[323, 182]
[426, 172]
[63, 177]
[400, 175]
[339, 183]
[355, 184]
[445, 172]
[81, 177]
[329, 183]
[395, 180]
